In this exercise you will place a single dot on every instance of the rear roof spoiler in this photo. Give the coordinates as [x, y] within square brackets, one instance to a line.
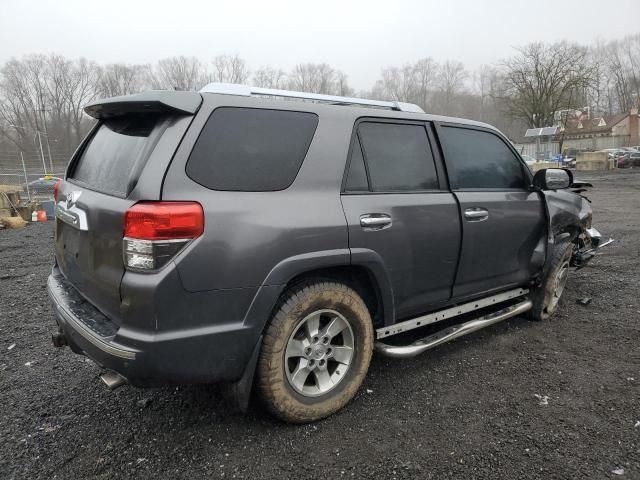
[154, 101]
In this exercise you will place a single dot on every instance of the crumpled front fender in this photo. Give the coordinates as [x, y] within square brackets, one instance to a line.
[568, 213]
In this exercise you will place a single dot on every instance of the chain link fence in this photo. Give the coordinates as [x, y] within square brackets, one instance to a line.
[31, 174]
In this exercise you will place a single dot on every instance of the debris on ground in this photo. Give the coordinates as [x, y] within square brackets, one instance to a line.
[543, 399]
[12, 222]
[584, 301]
[145, 402]
[618, 471]
[11, 347]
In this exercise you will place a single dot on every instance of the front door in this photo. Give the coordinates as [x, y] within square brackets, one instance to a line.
[502, 218]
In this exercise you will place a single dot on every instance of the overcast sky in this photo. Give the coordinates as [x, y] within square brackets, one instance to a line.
[358, 37]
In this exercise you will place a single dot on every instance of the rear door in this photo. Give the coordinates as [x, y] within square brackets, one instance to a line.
[397, 206]
[102, 182]
[503, 220]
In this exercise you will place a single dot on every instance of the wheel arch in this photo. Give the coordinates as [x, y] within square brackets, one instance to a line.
[361, 270]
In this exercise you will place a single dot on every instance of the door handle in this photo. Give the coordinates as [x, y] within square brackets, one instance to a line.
[476, 214]
[375, 221]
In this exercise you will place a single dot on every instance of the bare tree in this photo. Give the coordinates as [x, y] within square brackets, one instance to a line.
[482, 82]
[544, 79]
[24, 99]
[451, 80]
[425, 75]
[230, 69]
[79, 89]
[318, 78]
[342, 85]
[179, 73]
[396, 83]
[118, 79]
[623, 62]
[268, 77]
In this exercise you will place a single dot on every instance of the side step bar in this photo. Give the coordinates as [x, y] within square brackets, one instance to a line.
[448, 334]
[450, 312]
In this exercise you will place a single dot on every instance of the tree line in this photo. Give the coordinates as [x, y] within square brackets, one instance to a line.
[531, 88]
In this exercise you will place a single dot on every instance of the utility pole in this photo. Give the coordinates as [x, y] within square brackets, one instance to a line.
[44, 165]
[26, 178]
[46, 134]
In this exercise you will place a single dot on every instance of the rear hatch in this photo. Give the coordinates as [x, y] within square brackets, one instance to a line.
[121, 162]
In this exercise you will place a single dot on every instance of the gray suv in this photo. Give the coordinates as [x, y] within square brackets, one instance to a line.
[275, 239]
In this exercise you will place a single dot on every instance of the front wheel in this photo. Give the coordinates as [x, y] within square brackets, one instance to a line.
[316, 352]
[547, 296]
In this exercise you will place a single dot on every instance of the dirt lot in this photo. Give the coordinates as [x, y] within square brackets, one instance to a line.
[518, 400]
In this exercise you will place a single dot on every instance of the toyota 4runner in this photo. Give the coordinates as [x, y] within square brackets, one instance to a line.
[275, 239]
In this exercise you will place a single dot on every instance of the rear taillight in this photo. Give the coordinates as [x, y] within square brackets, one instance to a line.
[154, 232]
[56, 189]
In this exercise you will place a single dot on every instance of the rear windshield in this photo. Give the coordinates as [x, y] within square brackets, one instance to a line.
[250, 149]
[112, 160]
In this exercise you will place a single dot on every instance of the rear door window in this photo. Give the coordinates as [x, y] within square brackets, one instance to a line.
[357, 175]
[250, 149]
[480, 160]
[116, 153]
[398, 157]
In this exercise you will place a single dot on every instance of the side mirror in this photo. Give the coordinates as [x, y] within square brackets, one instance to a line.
[553, 179]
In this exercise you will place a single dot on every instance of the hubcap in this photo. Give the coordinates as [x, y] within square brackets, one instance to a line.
[319, 353]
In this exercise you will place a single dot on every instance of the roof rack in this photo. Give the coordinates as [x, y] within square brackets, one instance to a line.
[248, 91]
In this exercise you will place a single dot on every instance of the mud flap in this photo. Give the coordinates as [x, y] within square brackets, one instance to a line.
[237, 395]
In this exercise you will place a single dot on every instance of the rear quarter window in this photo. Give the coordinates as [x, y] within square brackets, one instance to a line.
[250, 149]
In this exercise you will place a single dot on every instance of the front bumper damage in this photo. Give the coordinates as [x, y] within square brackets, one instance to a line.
[589, 243]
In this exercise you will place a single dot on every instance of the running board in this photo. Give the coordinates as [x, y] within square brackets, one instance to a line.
[450, 333]
[449, 313]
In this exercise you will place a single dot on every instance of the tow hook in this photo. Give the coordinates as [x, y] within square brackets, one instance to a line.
[59, 340]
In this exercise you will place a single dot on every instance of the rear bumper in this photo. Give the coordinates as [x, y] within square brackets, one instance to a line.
[214, 353]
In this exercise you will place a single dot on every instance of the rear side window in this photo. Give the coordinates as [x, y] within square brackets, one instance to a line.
[398, 157]
[250, 149]
[478, 159]
[116, 153]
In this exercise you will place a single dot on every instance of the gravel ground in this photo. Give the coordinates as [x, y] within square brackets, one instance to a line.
[518, 400]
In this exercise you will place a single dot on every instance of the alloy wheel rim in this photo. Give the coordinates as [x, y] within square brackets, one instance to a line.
[319, 353]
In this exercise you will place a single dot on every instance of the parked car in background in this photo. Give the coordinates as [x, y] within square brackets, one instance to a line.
[613, 153]
[634, 159]
[629, 159]
[42, 187]
[622, 161]
[230, 236]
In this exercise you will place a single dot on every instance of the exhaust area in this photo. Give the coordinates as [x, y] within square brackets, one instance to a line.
[112, 379]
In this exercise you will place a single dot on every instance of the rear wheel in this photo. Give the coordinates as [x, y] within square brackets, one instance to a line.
[316, 352]
[547, 296]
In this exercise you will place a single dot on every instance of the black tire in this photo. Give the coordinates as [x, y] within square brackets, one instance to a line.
[275, 383]
[547, 296]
